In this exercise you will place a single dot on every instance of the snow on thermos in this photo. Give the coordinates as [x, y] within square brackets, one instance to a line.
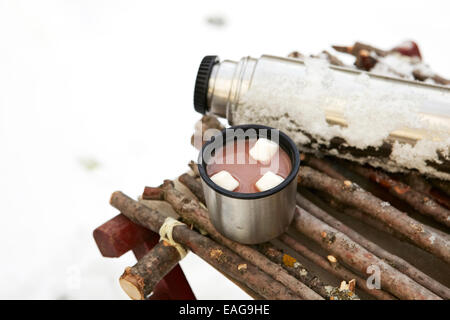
[386, 122]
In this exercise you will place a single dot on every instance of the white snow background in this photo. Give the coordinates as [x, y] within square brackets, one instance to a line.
[96, 96]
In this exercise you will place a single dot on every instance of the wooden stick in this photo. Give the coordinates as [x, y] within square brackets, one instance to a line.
[192, 212]
[408, 48]
[366, 61]
[358, 258]
[323, 166]
[351, 194]
[306, 277]
[357, 47]
[395, 261]
[440, 197]
[173, 277]
[151, 193]
[193, 185]
[297, 270]
[140, 280]
[363, 217]
[423, 204]
[413, 179]
[306, 281]
[421, 76]
[334, 268]
[215, 254]
[417, 182]
[296, 55]
[194, 168]
[369, 220]
[444, 186]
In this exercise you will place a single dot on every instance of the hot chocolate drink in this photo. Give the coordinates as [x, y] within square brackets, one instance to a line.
[249, 166]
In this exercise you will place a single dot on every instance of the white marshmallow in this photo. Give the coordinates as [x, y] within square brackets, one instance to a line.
[225, 180]
[263, 150]
[268, 181]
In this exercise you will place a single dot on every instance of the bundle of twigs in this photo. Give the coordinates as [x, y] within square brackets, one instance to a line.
[212, 252]
[265, 271]
[307, 223]
[297, 278]
[400, 278]
[349, 198]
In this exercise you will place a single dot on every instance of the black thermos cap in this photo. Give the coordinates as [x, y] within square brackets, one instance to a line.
[201, 83]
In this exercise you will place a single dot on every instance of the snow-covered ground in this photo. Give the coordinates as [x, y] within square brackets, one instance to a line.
[91, 91]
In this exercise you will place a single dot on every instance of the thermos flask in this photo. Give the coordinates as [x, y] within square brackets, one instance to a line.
[387, 122]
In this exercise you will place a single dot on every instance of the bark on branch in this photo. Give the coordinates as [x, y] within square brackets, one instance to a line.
[192, 212]
[336, 269]
[351, 194]
[140, 280]
[215, 254]
[357, 257]
[192, 184]
[419, 183]
[395, 261]
[299, 271]
[423, 204]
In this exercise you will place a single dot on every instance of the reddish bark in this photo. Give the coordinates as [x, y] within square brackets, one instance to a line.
[422, 203]
[151, 193]
[408, 48]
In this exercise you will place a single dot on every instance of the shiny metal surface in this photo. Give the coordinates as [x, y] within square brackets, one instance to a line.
[230, 80]
[250, 218]
[251, 221]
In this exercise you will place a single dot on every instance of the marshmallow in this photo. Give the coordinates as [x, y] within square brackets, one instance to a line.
[268, 181]
[225, 180]
[263, 150]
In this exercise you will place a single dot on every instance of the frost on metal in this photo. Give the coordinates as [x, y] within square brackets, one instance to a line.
[300, 104]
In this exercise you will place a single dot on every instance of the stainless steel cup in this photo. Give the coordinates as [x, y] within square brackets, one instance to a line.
[250, 218]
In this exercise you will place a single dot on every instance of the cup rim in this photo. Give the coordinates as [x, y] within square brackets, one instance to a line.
[284, 141]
